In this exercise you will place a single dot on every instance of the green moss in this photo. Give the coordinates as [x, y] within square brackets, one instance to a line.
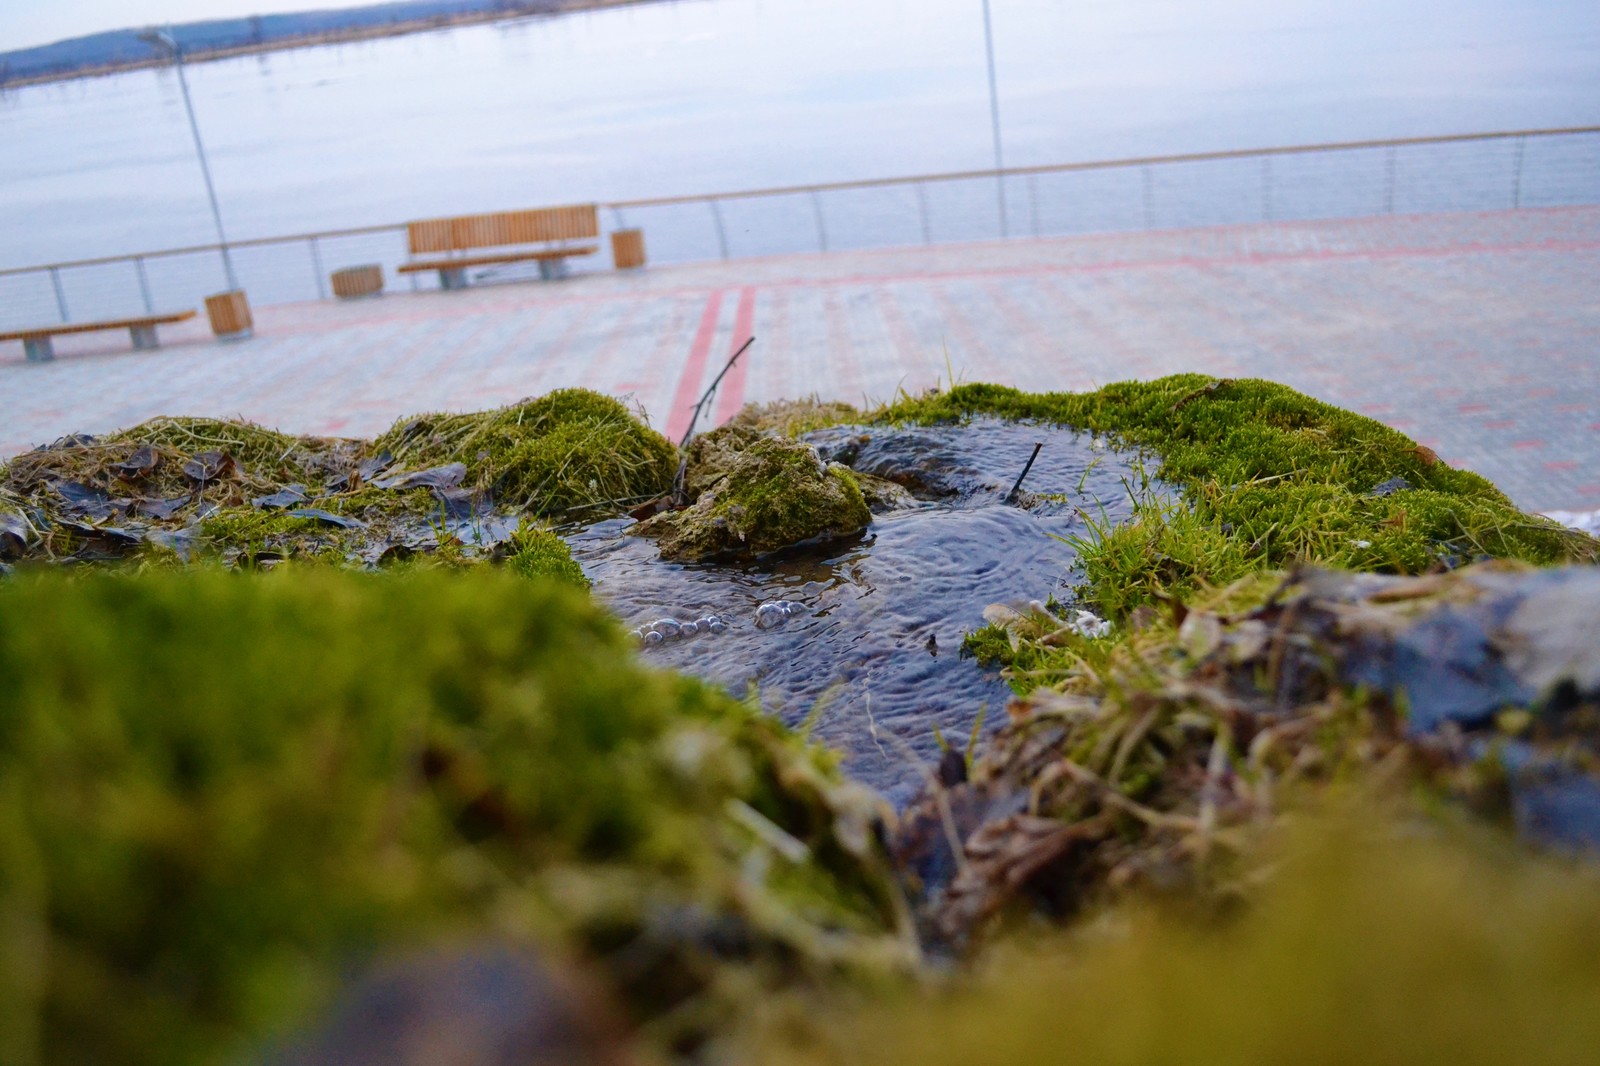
[775, 493]
[791, 418]
[219, 791]
[534, 552]
[1269, 477]
[570, 450]
[252, 446]
[1374, 943]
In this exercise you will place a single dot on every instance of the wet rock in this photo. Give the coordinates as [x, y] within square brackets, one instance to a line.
[882, 495]
[483, 1006]
[1461, 647]
[919, 461]
[775, 494]
[1390, 487]
[15, 535]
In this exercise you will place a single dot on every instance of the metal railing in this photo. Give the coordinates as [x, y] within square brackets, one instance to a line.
[1486, 171]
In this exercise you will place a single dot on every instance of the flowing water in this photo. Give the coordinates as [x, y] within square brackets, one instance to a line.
[869, 654]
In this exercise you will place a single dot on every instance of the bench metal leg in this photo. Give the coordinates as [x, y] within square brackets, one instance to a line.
[38, 349]
[144, 338]
[551, 269]
[453, 278]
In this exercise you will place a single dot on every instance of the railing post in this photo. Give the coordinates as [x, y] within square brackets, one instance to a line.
[1388, 180]
[316, 266]
[616, 214]
[144, 285]
[1516, 181]
[61, 297]
[722, 234]
[1033, 202]
[1266, 188]
[922, 209]
[822, 230]
[1148, 180]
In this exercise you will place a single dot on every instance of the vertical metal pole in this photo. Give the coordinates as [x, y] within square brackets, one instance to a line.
[205, 170]
[616, 213]
[1266, 188]
[1516, 182]
[144, 285]
[61, 296]
[1149, 195]
[316, 266]
[722, 235]
[922, 207]
[822, 231]
[1033, 202]
[1388, 180]
[994, 121]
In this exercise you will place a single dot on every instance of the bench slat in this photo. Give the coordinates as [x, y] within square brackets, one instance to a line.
[60, 329]
[502, 228]
[461, 262]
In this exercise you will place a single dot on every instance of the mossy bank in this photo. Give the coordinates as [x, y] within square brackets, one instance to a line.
[218, 792]
[229, 773]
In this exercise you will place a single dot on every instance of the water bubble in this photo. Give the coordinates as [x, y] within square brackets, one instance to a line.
[667, 627]
[652, 638]
[717, 627]
[689, 629]
[770, 614]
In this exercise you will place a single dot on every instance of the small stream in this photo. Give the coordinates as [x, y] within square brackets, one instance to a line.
[868, 650]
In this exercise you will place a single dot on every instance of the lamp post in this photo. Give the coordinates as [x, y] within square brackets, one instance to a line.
[163, 42]
[994, 120]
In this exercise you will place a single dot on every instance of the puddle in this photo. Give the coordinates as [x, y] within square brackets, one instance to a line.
[868, 650]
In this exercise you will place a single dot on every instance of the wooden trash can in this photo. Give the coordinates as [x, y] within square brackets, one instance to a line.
[627, 248]
[230, 315]
[358, 281]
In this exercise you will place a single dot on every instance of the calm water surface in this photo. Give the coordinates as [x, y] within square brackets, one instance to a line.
[703, 95]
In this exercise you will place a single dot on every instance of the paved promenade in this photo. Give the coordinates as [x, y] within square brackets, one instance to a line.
[1477, 334]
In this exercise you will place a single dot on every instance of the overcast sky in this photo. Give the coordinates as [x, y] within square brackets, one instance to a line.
[29, 22]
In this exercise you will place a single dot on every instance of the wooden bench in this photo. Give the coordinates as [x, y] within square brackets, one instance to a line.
[36, 342]
[545, 234]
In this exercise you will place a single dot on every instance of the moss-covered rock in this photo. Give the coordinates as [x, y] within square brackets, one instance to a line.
[776, 493]
[883, 495]
[711, 456]
[570, 450]
[534, 552]
[218, 792]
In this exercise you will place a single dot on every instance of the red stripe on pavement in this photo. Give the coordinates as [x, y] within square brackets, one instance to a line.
[695, 369]
[732, 389]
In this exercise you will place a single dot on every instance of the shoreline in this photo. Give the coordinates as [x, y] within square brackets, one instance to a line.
[352, 35]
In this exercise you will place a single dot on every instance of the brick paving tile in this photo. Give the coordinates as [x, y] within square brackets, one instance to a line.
[1476, 333]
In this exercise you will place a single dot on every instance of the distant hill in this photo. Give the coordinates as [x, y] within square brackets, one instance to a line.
[122, 48]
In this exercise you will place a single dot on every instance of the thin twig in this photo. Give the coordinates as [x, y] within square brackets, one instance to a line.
[705, 396]
[1012, 495]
